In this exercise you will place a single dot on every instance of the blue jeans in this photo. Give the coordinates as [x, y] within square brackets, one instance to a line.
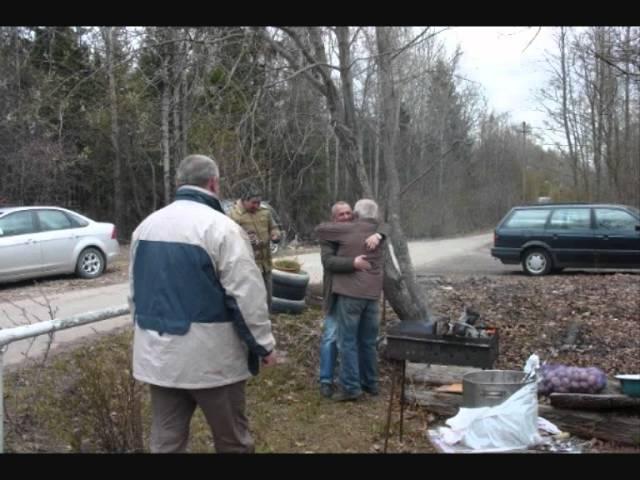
[328, 349]
[358, 324]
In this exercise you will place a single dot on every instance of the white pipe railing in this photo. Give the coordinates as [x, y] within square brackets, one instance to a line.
[10, 335]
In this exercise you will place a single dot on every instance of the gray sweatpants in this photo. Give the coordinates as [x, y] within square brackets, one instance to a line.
[223, 407]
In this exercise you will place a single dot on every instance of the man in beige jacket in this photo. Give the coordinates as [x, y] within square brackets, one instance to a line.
[258, 222]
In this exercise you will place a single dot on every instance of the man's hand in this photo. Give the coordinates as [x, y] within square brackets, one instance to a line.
[372, 241]
[270, 359]
[275, 238]
[361, 263]
[253, 238]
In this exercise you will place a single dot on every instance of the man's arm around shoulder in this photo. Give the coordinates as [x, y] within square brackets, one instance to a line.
[332, 262]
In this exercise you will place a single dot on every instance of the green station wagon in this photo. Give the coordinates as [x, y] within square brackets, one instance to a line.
[549, 237]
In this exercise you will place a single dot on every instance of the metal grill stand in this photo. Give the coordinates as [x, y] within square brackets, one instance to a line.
[414, 341]
[400, 365]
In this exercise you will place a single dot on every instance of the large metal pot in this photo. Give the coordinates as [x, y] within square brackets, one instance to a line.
[490, 387]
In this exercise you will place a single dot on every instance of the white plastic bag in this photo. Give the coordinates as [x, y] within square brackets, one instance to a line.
[532, 367]
[510, 425]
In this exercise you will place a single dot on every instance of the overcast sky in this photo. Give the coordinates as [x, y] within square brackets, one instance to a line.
[510, 72]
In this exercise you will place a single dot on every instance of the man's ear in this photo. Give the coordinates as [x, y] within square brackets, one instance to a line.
[214, 185]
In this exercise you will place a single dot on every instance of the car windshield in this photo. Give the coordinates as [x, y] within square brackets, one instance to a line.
[633, 209]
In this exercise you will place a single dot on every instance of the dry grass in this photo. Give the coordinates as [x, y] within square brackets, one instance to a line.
[81, 401]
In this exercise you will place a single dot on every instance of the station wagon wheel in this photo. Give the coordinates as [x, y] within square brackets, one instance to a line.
[90, 263]
[536, 261]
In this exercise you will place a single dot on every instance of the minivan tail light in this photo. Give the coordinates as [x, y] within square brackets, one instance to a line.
[114, 233]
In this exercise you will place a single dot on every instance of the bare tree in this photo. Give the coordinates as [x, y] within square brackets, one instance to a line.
[400, 285]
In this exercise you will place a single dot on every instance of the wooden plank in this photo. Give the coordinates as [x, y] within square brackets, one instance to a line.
[593, 402]
[437, 374]
[446, 404]
[603, 425]
[453, 388]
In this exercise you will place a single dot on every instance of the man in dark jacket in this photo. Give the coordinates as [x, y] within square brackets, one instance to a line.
[332, 263]
[353, 271]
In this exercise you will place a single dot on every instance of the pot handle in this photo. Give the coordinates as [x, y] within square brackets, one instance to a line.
[494, 394]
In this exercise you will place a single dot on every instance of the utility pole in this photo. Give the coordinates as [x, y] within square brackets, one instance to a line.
[524, 132]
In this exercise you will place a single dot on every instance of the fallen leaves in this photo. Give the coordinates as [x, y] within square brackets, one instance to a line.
[534, 315]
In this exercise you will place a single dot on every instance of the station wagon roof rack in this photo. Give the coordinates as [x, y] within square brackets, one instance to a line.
[546, 204]
[551, 204]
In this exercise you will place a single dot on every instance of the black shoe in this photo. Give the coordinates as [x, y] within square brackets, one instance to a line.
[374, 392]
[326, 390]
[342, 396]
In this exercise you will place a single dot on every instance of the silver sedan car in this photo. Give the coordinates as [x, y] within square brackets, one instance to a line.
[41, 241]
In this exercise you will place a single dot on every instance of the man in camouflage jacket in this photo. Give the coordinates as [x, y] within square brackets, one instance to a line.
[258, 222]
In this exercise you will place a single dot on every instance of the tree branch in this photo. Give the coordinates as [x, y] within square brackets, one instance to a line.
[293, 63]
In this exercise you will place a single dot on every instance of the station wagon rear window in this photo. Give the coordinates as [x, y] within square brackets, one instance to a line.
[528, 219]
[570, 218]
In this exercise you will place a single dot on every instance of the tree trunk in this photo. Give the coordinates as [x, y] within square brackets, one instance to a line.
[118, 208]
[176, 94]
[605, 426]
[565, 114]
[177, 124]
[184, 104]
[626, 149]
[401, 288]
[348, 129]
[593, 401]
[376, 162]
[164, 126]
[336, 183]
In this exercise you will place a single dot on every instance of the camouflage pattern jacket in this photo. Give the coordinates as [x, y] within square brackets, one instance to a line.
[259, 226]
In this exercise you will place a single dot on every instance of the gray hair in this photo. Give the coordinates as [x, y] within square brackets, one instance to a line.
[196, 170]
[366, 208]
[335, 206]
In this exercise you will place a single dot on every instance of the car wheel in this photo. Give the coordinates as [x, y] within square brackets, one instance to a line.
[536, 261]
[90, 263]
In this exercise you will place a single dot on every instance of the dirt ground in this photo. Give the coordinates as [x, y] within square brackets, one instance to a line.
[287, 415]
